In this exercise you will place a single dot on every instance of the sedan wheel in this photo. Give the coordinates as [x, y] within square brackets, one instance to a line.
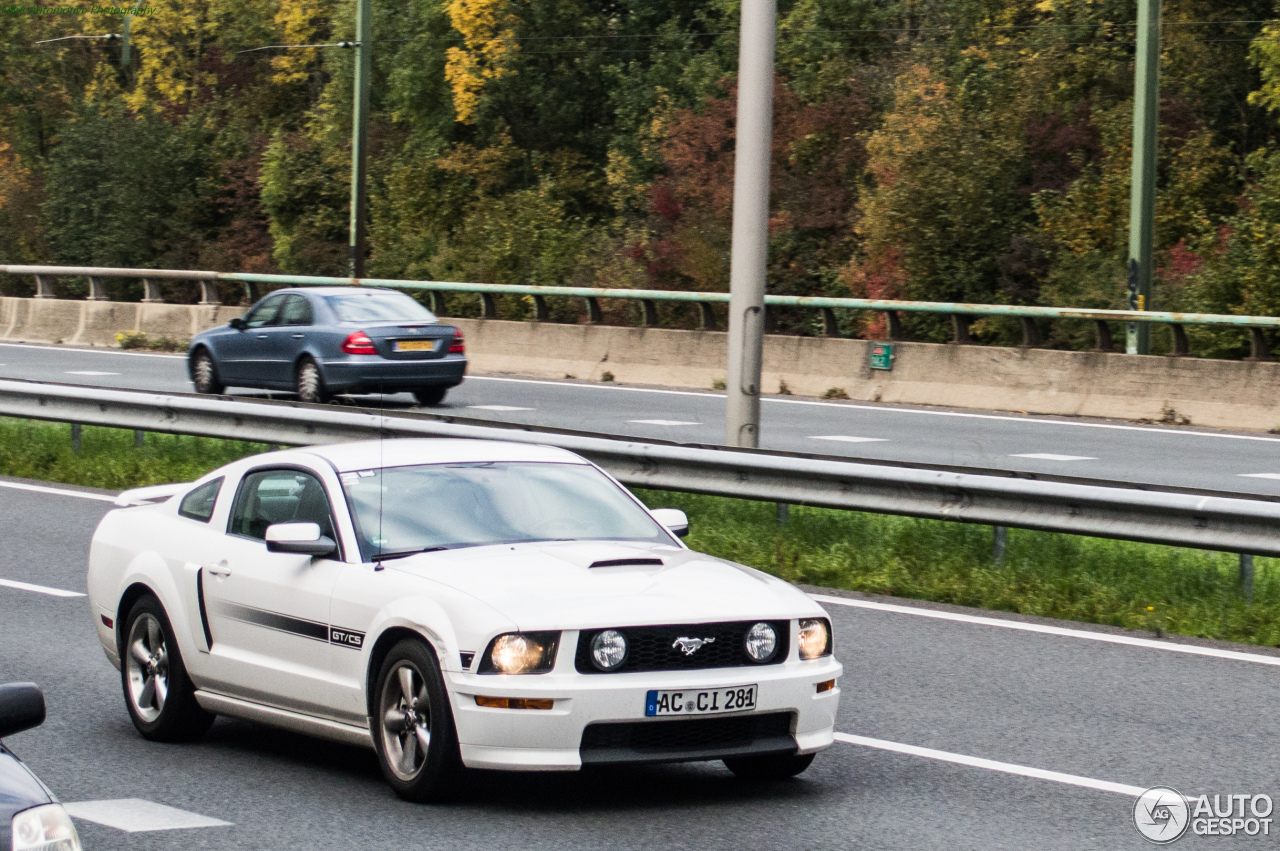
[413, 729]
[157, 691]
[430, 395]
[311, 382]
[204, 374]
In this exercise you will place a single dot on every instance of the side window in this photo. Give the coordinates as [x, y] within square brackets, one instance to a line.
[279, 496]
[198, 505]
[266, 313]
[297, 311]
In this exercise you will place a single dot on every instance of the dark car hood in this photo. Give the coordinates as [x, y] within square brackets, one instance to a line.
[19, 788]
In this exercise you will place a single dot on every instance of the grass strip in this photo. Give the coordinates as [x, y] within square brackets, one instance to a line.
[1138, 586]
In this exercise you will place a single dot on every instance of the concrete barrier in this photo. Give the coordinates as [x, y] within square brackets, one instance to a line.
[1196, 391]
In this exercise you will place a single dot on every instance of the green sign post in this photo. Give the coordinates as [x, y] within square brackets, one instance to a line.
[882, 356]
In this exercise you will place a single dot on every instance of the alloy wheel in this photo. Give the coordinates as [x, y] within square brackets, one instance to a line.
[147, 664]
[205, 377]
[310, 385]
[406, 721]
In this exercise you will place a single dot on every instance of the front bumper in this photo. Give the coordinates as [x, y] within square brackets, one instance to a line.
[355, 373]
[528, 739]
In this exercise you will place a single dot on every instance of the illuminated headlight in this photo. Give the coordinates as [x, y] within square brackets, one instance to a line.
[521, 653]
[46, 828]
[608, 649]
[815, 638]
[761, 642]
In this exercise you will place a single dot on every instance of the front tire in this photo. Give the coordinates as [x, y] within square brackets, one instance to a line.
[430, 395]
[157, 691]
[773, 767]
[311, 382]
[413, 729]
[204, 373]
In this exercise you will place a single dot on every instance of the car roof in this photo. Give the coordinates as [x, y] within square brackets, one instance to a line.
[405, 452]
[339, 290]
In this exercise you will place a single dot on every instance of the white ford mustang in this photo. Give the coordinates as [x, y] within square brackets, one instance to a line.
[454, 603]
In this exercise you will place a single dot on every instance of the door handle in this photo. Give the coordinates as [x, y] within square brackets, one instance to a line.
[262, 336]
[219, 569]
[298, 336]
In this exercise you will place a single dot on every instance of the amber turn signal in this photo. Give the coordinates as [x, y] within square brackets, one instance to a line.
[517, 702]
[826, 685]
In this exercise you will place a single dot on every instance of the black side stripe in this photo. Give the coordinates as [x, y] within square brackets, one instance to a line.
[293, 626]
[204, 614]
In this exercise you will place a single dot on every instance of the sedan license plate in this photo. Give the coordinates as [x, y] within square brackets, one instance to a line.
[414, 346]
[700, 701]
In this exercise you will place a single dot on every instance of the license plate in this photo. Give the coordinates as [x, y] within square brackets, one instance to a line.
[414, 346]
[700, 701]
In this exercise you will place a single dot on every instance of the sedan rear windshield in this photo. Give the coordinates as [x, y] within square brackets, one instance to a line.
[378, 307]
[405, 510]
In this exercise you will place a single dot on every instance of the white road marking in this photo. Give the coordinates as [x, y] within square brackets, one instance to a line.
[135, 815]
[1049, 456]
[993, 765]
[19, 486]
[705, 393]
[844, 438]
[1260, 475]
[498, 408]
[88, 372]
[664, 422]
[92, 351]
[1106, 638]
[39, 589]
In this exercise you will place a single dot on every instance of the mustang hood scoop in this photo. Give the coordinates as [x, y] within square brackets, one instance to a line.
[628, 562]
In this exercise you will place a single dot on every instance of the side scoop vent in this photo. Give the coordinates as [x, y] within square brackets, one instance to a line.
[629, 562]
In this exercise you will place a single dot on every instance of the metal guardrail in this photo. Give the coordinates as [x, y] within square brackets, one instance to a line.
[962, 315]
[1208, 522]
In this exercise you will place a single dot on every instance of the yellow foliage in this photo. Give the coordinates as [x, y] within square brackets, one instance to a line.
[300, 22]
[170, 45]
[488, 32]
[13, 175]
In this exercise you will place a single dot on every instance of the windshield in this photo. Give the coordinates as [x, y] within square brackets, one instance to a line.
[402, 510]
[378, 307]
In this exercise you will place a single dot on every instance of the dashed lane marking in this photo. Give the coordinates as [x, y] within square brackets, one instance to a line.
[664, 422]
[1049, 456]
[498, 408]
[1043, 629]
[19, 486]
[844, 438]
[88, 372]
[1260, 475]
[135, 815]
[38, 589]
[993, 765]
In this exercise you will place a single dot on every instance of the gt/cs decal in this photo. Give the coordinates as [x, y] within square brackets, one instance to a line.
[346, 637]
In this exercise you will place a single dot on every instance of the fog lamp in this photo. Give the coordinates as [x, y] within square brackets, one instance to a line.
[609, 649]
[761, 642]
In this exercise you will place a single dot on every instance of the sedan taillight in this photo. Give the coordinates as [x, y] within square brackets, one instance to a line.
[359, 343]
[457, 347]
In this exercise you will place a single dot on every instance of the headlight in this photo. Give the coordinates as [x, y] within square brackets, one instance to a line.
[46, 828]
[521, 653]
[761, 642]
[609, 649]
[815, 638]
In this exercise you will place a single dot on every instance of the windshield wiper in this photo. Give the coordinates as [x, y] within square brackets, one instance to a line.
[406, 553]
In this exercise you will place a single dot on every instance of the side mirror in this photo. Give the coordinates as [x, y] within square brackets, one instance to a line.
[299, 538]
[674, 519]
[237, 323]
[21, 708]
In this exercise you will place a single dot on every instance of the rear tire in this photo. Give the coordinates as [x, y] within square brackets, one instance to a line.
[204, 373]
[430, 395]
[412, 725]
[311, 382]
[157, 691]
[776, 767]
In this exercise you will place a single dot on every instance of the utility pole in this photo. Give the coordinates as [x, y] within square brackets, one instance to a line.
[1142, 200]
[750, 256]
[360, 137]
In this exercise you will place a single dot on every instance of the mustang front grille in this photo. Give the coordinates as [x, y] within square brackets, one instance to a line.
[659, 648]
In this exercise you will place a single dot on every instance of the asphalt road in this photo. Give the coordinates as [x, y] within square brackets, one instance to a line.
[1104, 712]
[1246, 463]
